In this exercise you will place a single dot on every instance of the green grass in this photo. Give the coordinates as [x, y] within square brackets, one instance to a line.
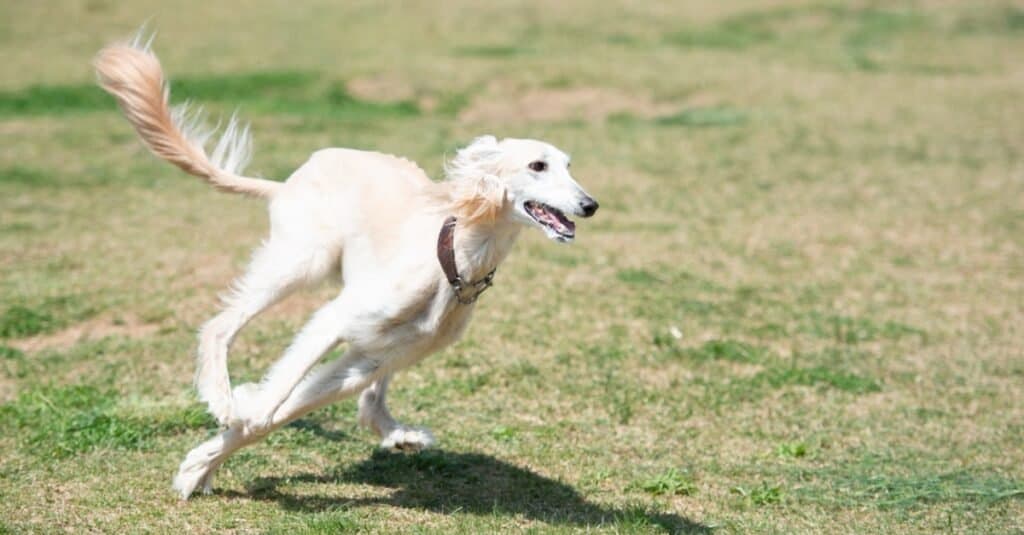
[241, 87]
[854, 330]
[762, 495]
[875, 478]
[637, 276]
[958, 487]
[875, 29]
[797, 310]
[40, 99]
[726, 350]
[269, 92]
[19, 321]
[493, 51]
[817, 375]
[869, 36]
[11, 353]
[24, 177]
[66, 421]
[697, 117]
[670, 483]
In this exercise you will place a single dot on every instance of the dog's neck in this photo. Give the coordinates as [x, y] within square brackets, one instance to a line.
[485, 227]
[480, 247]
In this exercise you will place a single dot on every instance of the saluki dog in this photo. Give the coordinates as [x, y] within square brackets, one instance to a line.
[413, 255]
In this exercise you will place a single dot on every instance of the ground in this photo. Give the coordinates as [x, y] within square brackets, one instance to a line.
[798, 309]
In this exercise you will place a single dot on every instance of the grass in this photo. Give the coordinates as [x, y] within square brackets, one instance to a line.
[58, 99]
[697, 117]
[670, 483]
[761, 495]
[797, 311]
[792, 449]
[958, 487]
[56, 423]
[23, 321]
[19, 321]
[273, 91]
[910, 486]
[818, 375]
[493, 51]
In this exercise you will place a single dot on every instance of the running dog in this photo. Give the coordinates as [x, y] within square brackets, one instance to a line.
[413, 255]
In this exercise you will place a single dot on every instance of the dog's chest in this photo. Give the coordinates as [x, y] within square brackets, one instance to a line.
[432, 321]
[452, 324]
[442, 322]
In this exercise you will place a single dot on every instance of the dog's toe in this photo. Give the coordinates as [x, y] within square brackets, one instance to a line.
[192, 473]
[408, 439]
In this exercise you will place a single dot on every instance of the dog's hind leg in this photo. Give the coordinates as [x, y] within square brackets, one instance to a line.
[374, 414]
[326, 384]
[278, 268]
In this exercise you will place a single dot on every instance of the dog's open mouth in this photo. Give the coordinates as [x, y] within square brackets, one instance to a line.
[552, 219]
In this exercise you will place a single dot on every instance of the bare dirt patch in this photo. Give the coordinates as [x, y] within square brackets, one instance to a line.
[544, 104]
[8, 389]
[94, 329]
[380, 88]
[389, 89]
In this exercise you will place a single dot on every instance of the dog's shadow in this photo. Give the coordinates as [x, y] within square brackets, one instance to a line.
[446, 482]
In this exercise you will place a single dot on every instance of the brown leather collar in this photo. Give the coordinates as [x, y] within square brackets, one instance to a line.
[446, 256]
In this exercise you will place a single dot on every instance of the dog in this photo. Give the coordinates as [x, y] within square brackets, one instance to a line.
[413, 256]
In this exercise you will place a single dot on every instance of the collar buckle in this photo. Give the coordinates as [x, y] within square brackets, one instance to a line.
[478, 287]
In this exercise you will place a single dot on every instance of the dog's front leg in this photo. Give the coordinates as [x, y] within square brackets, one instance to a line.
[373, 413]
[328, 383]
[255, 404]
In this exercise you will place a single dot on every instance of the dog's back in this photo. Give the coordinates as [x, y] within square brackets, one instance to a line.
[360, 202]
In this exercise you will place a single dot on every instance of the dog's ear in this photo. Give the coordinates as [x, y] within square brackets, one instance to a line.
[486, 140]
[481, 158]
[483, 150]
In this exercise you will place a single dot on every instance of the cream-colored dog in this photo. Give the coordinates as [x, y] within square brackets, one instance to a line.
[413, 255]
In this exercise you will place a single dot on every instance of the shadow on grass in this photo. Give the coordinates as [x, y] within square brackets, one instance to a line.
[449, 482]
[318, 430]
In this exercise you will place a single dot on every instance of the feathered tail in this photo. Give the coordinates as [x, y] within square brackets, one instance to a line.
[132, 73]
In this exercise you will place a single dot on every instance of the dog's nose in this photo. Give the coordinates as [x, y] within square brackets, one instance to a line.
[589, 206]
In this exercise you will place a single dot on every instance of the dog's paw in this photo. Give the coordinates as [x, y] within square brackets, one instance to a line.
[408, 439]
[197, 469]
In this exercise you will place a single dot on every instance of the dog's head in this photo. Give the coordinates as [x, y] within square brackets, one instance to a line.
[533, 180]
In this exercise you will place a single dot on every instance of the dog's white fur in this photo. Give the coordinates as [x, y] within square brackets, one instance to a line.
[375, 217]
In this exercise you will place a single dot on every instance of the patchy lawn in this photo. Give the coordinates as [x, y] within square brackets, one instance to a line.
[798, 310]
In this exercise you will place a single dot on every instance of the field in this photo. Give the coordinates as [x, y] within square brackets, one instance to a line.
[799, 309]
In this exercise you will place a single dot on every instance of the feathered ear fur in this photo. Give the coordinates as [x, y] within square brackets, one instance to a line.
[477, 194]
[481, 157]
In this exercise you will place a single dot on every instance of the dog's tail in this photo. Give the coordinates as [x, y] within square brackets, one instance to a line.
[132, 73]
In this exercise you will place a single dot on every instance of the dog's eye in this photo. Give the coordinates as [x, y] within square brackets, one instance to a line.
[538, 166]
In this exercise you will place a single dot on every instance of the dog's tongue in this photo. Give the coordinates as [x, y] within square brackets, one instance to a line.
[558, 221]
[567, 224]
